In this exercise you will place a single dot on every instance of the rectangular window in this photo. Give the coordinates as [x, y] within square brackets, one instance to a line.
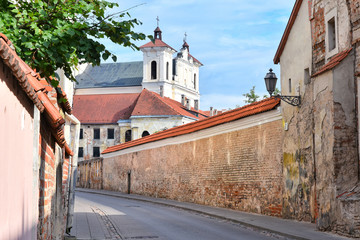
[81, 152]
[110, 133]
[307, 76]
[81, 133]
[96, 151]
[331, 34]
[96, 133]
[289, 85]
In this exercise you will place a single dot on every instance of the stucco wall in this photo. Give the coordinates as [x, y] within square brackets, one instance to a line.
[16, 159]
[155, 124]
[298, 172]
[239, 169]
[88, 141]
[320, 147]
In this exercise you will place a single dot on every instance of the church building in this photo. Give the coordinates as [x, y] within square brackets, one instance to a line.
[119, 102]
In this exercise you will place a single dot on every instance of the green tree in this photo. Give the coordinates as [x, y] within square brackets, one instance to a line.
[251, 96]
[276, 92]
[52, 34]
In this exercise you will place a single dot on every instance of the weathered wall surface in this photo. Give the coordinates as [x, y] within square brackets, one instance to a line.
[53, 186]
[298, 171]
[90, 174]
[240, 169]
[320, 147]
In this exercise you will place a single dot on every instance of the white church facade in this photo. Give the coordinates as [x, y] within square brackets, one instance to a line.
[175, 77]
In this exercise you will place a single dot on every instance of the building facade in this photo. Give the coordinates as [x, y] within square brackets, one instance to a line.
[174, 77]
[112, 119]
[319, 61]
[119, 102]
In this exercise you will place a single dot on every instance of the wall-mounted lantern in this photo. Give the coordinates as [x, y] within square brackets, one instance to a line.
[270, 82]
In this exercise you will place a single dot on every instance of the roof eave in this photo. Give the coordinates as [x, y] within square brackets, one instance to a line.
[287, 31]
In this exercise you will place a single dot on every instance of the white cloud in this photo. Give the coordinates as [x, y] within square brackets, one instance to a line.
[236, 40]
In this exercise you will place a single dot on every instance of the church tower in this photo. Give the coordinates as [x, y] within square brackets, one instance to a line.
[176, 78]
[157, 65]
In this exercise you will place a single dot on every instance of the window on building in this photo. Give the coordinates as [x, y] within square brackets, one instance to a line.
[96, 133]
[81, 152]
[153, 70]
[289, 85]
[331, 34]
[194, 80]
[81, 133]
[167, 71]
[96, 151]
[110, 133]
[306, 76]
[128, 135]
[331, 45]
[145, 133]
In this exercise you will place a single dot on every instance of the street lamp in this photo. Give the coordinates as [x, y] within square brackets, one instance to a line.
[270, 82]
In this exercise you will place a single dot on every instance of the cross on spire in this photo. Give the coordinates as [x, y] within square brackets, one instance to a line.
[185, 36]
[157, 19]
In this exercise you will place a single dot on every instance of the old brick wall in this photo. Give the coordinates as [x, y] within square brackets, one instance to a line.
[53, 186]
[90, 174]
[318, 34]
[239, 169]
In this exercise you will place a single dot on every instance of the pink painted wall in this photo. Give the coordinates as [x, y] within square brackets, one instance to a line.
[16, 159]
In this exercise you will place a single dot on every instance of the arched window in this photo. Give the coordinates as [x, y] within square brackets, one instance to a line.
[128, 135]
[153, 70]
[145, 133]
[194, 80]
[167, 71]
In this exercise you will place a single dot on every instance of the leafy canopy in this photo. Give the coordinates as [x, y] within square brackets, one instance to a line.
[52, 34]
[251, 96]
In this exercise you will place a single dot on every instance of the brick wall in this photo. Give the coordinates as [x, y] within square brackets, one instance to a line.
[318, 35]
[53, 186]
[240, 169]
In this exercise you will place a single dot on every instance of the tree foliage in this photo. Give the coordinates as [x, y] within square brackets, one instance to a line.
[276, 92]
[251, 96]
[52, 34]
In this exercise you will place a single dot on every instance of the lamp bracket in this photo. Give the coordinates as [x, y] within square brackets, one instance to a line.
[292, 100]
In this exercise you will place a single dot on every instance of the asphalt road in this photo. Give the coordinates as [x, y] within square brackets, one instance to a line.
[107, 217]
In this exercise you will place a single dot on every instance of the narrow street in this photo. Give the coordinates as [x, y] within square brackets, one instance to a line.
[107, 217]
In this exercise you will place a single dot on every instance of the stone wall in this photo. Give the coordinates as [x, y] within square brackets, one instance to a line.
[90, 173]
[240, 169]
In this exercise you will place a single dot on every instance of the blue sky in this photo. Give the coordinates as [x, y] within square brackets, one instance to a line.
[236, 40]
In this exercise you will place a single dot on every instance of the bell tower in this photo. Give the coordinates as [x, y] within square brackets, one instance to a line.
[157, 64]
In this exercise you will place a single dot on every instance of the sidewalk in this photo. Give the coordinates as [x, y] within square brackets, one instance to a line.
[283, 227]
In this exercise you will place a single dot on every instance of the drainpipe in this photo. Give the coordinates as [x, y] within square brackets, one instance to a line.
[71, 200]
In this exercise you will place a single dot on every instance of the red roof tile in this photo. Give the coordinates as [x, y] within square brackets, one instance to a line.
[158, 43]
[335, 60]
[248, 110]
[36, 91]
[287, 31]
[109, 108]
[181, 109]
[104, 109]
[150, 103]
